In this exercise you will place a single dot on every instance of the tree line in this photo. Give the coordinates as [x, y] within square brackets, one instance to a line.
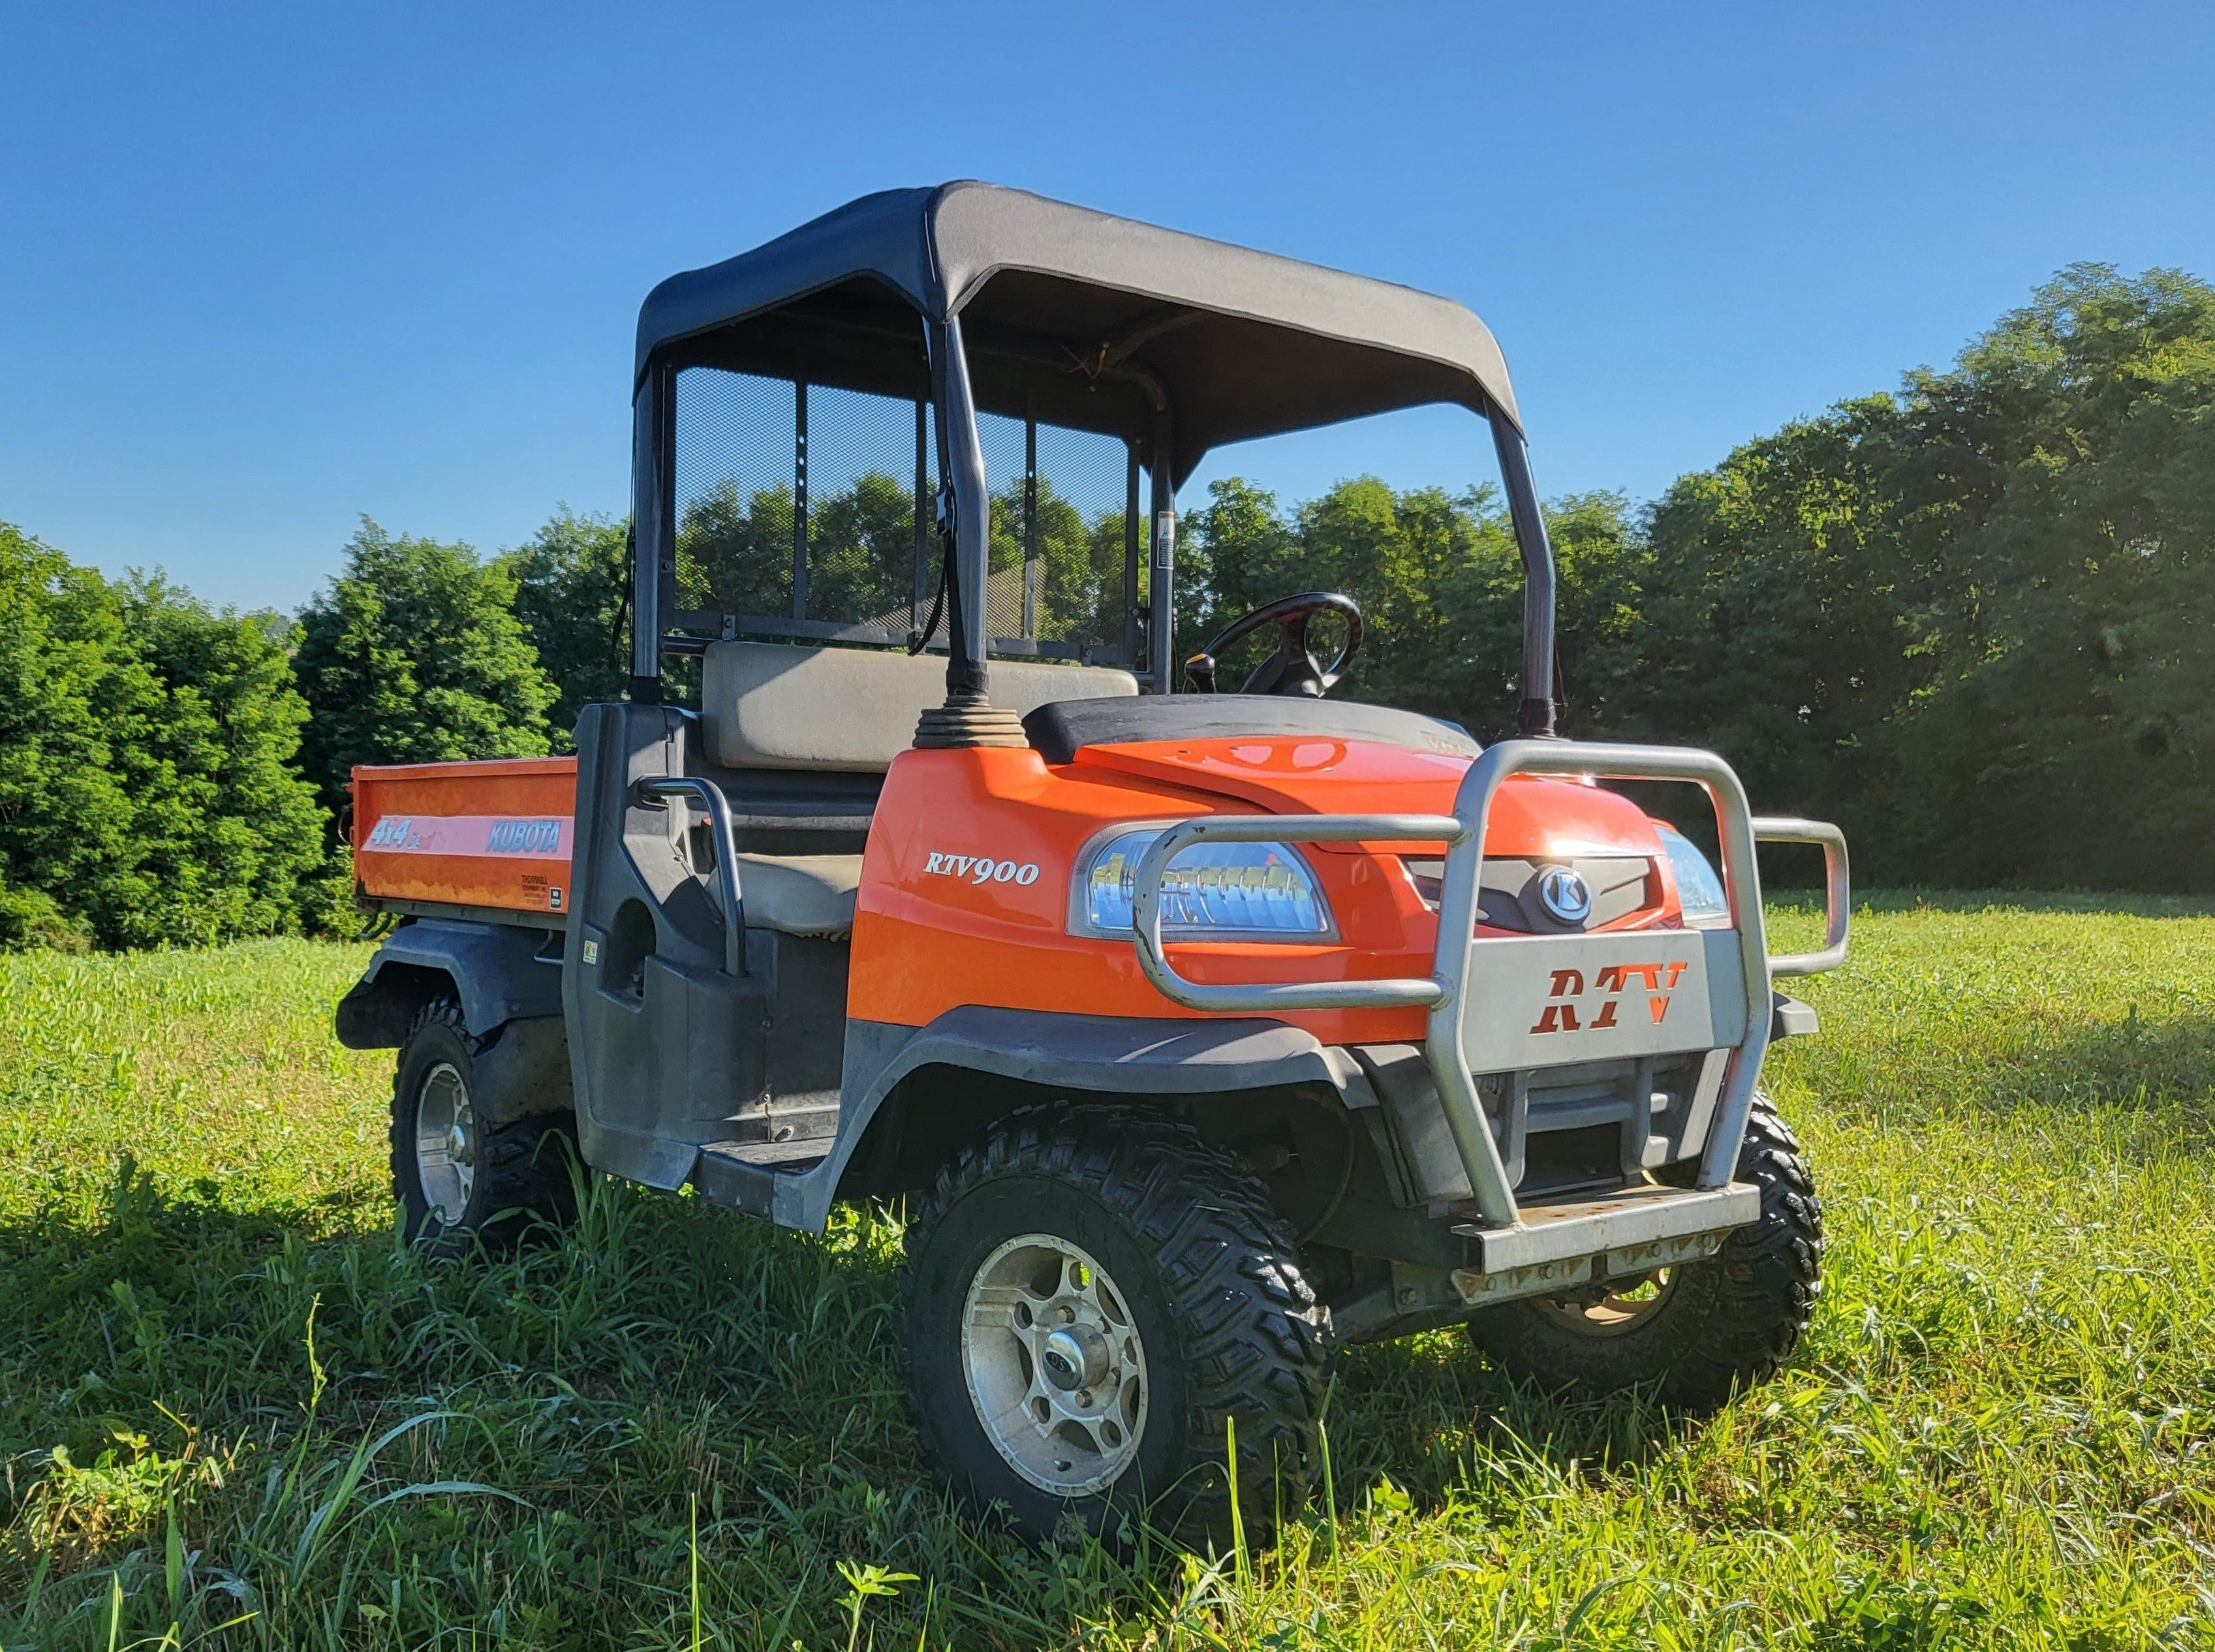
[171, 775]
[1973, 620]
[1970, 619]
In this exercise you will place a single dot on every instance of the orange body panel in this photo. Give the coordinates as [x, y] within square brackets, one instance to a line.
[926, 942]
[494, 834]
[498, 835]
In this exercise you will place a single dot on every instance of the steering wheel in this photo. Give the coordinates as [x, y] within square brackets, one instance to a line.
[1291, 669]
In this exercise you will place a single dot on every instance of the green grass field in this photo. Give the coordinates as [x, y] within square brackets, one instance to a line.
[227, 1399]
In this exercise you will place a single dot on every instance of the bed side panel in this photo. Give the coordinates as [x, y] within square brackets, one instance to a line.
[491, 835]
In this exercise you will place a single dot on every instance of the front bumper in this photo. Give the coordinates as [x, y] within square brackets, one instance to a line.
[1614, 1235]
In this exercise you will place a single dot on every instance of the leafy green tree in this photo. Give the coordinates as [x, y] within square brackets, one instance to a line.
[66, 813]
[1440, 585]
[146, 791]
[414, 654]
[569, 583]
[231, 835]
[1975, 620]
[1079, 571]
[2071, 728]
[1780, 608]
[861, 551]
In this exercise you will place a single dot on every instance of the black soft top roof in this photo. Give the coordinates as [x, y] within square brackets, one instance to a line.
[1242, 343]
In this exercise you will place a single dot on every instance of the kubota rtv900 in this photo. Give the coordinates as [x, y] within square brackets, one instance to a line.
[1197, 1030]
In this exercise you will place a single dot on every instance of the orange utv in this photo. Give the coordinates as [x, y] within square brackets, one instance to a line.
[1197, 1031]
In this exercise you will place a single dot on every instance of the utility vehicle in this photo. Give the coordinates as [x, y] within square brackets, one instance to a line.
[1197, 1030]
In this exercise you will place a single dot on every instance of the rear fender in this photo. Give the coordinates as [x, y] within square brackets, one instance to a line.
[495, 969]
[911, 1096]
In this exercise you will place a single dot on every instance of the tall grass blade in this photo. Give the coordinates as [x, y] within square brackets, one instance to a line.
[1240, 1563]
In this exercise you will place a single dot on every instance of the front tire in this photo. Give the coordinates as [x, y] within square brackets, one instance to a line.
[1093, 1297]
[478, 1148]
[1693, 1334]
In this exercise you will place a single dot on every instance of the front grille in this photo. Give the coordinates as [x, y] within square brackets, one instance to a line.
[1592, 1122]
[1507, 891]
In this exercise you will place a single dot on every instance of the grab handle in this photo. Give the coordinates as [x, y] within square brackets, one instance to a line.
[727, 856]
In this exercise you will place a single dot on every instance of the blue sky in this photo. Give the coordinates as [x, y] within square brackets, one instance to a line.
[264, 269]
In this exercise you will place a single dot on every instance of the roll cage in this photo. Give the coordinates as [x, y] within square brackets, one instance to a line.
[941, 309]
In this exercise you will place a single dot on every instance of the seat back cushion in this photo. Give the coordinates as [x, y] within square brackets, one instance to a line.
[778, 706]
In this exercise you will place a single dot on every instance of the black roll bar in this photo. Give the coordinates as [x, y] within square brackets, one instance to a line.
[965, 500]
[1534, 718]
[665, 789]
[1161, 577]
[653, 538]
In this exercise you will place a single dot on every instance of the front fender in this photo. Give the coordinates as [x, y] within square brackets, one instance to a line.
[1098, 1055]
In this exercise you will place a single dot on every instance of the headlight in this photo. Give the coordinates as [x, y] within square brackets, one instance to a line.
[1217, 889]
[1698, 888]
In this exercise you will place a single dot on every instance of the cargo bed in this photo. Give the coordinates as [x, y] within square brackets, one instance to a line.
[487, 840]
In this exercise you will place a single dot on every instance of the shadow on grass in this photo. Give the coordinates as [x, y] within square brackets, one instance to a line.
[549, 1428]
[2132, 1063]
[1428, 1413]
[2138, 1084]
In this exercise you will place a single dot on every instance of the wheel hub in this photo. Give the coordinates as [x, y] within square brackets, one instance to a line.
[1054, 1365]
[1074, 1356]
[1611, 1308]
[446, 1143]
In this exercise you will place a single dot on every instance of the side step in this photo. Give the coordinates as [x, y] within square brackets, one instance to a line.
[782, 1122]
[1628, 1230]
[744, 1174]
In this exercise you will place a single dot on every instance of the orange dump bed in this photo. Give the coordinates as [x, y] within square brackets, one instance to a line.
[491, 836]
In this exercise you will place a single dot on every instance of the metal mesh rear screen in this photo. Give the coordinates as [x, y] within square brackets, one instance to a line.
[806, 511]
[1084, 484]
[1059, 545]
[869, 511]
[737, 501]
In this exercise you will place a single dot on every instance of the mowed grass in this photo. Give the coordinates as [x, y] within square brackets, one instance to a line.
[226, 1398]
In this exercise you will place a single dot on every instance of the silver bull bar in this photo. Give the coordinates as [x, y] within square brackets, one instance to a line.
[1476, 1023]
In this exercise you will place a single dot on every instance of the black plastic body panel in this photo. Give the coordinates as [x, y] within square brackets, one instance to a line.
[669, 1051]
[1059, 730]
[1110, 1055]
[907, 1086]
[499, 972]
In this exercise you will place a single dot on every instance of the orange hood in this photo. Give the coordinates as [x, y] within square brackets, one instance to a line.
[1283, 774]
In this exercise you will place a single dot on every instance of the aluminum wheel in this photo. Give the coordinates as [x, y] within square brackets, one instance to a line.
[446, 1143]
[1054, 1365]
[1623, 1304]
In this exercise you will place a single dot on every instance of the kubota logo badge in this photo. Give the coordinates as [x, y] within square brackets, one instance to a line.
[1564, 896]
[524, 838]
[1610, 986]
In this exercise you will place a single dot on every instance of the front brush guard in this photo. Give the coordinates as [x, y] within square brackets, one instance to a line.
[1500, 1003]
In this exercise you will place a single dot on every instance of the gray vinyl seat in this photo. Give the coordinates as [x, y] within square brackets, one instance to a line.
[782, 706]
[800, 894]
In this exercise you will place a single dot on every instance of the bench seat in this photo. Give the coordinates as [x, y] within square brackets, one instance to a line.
[800, 894]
